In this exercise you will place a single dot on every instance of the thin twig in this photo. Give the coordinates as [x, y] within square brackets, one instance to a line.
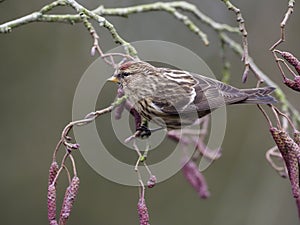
[101, 11]
[273, 152]
[98, 13]
[242, 28]
[279, 60]
[164, 6]
[286, 17]
[265, 115]
[88, 119]
[286, 105]
[62, 165]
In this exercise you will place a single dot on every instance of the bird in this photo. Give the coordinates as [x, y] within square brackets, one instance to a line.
[174, 98]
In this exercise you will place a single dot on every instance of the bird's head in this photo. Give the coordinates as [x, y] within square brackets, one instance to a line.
[128, 70]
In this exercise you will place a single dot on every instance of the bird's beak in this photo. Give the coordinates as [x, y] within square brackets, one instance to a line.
[113, 79]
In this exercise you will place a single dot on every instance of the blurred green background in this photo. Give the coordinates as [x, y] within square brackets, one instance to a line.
[41, 65]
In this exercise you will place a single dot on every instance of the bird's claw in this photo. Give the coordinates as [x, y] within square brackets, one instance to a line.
[145, 132]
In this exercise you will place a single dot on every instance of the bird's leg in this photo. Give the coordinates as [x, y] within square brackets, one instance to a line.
[145, 132]
[142, 131]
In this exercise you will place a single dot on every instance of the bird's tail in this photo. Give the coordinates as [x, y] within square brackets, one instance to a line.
[259, 95]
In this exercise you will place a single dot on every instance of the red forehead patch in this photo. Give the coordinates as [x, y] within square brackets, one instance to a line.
[126, 65]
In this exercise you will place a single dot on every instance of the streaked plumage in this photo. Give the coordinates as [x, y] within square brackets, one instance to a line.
[179, 97]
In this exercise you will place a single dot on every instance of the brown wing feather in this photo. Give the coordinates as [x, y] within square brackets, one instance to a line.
[209, 93]
[212, 94]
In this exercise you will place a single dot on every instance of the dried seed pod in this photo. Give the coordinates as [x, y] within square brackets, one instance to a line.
[52, 172]
[51, 204]
[291, 59]
[143, 212]
[69, 200]
[195, 178]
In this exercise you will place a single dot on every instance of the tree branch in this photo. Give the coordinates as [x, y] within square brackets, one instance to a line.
[170, 7]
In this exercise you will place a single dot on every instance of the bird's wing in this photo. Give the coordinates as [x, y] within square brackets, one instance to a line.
[176, 91]
[212, 94]
[188, 92]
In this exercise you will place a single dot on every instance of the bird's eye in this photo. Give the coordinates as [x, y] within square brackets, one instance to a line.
[125, 74]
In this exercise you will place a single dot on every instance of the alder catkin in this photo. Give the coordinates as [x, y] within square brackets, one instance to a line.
[143, 212]
[195, 178]
[52, 172]
[291, 59]
[51, 203]
[151, 182]
[292, 151]
[69, 199]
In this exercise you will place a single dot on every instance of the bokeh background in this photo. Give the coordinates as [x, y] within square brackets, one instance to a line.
[41, 65]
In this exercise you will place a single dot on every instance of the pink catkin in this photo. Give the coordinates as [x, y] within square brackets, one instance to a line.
[196, 179]
[53, 222]
[292, 165]
[280, 144]
[290, 152]
[151, 182]
[69, 200]
[51, 204]
[292, 60]
[120, 108]
[293, 84]
[137, 117]
[291, 145]
[143, 212]
[52, 172]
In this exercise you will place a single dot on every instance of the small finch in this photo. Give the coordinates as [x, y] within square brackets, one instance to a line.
[176, 98]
